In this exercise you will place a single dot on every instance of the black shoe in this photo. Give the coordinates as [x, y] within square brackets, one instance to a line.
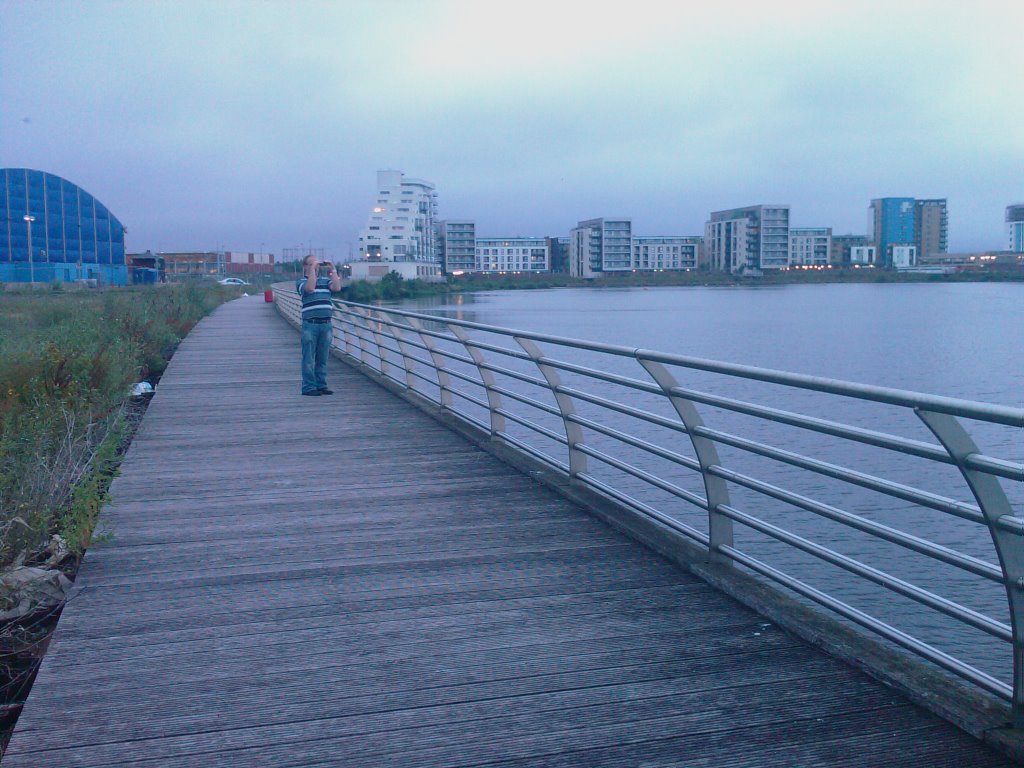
[325, 391]
[313, 393]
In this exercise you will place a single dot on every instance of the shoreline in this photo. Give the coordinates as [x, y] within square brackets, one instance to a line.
[363, 292]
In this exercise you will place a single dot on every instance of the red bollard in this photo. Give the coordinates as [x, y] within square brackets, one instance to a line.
[268, 296]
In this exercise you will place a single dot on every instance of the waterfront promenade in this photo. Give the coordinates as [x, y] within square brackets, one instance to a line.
[341, 581]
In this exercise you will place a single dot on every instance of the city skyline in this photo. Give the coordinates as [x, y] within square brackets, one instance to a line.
[261, 127]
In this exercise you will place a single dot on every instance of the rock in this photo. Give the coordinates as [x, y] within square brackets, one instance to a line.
[26, 589]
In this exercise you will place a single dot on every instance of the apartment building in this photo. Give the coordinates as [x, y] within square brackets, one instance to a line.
[904, 221]
[401, 225]
[512, 254]
[810, 246]
[600, 245]
[456, 242]
[840, 250]
[748, 240]
[656, 253]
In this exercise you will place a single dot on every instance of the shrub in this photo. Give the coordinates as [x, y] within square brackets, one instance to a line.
[67, 362]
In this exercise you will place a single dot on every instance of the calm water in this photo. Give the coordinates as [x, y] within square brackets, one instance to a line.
[958, 340]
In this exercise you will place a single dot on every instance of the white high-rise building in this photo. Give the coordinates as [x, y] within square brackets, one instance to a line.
[401, 226]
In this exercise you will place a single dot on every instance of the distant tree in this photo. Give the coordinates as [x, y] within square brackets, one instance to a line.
[392, 286]
[361, 292]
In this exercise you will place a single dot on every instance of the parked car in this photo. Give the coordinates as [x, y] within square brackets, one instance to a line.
[233, 281]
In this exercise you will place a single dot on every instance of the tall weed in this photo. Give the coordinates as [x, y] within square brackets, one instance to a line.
[67, 362]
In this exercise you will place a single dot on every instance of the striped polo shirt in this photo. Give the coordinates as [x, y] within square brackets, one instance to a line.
[318, 303]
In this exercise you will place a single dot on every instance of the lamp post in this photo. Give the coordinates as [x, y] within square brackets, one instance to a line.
[29, 218]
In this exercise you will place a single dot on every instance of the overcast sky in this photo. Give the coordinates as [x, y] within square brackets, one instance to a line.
[214, 124]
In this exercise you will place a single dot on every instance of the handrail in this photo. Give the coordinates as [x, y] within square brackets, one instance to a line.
[574, 415]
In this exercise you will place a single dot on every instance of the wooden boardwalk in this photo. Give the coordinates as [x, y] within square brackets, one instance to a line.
[341, 581]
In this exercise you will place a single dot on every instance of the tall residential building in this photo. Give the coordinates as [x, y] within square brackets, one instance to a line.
[456, 242]
[842, 245]
[652, 253]
[600, 245]
[748, 239]
[892, 223]
[512, 254]
[401, 225]
[1015, 228]
[810, 246]
[906, 221]
[931, 227]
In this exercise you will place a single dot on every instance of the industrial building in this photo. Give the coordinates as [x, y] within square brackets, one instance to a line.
[53, 230]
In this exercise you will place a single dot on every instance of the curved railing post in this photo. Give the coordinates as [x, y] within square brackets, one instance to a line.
[374, 325]
[573, 431]
[408, 361]
[345, 321]
[715, 488]
[493, 398]
[360, 328]
[444, 383]
[1008, 542]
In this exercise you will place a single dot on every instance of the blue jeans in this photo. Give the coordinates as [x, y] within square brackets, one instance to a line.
[316, 346]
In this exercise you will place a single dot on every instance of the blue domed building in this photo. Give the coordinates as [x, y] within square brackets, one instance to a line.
[74, 236]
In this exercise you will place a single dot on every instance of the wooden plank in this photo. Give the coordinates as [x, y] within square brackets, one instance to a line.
[342, 582]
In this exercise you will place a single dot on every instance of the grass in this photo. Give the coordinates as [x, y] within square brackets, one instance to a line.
[67, 362]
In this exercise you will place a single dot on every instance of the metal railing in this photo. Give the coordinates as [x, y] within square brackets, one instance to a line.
[673, 451]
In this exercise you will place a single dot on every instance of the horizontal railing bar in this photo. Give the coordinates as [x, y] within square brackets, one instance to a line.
[902, 639]
[1013, 417]
[528, 401]
[870, 437]
[611, 378]
[664, 453]
[518, 354]
[466, 377]
[481, 424]
[955, 406]
[647, 477]
[645, 509]
[533, 425]
[524, 377]
[370, 353]
[874, 575]
[447, 353]
[887, 487]
[993, 466]
[652, 418]
[476, 401]
[537, 454]
[906, 540]
[423, 377]
[1011, 523]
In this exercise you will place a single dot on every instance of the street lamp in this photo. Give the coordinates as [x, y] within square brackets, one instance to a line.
[29, 218]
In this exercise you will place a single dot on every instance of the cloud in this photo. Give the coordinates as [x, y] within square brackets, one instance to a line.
[267, 121]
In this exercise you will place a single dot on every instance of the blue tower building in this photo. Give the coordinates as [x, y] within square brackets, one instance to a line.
[892, 224]
[73, 235]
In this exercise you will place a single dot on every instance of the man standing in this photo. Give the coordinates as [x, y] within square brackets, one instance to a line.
[317, 331]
